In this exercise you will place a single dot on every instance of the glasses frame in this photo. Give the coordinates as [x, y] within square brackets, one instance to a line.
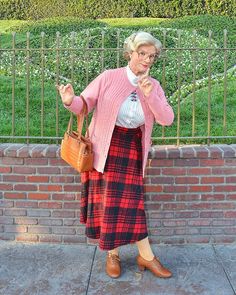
[143, 56]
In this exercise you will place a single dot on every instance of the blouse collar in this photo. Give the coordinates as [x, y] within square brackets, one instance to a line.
[131, 76]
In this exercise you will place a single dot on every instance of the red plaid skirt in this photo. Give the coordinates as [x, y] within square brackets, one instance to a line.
[112, 203]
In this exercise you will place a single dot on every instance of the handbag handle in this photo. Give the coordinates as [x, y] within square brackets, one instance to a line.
[80, 120]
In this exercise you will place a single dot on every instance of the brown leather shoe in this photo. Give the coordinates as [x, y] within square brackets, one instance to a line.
[154, 266]
[113, 268]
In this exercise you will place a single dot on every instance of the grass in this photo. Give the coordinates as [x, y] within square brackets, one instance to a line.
[132, 22]
[52, 102]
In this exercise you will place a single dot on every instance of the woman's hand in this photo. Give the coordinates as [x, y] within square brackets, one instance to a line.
[145, 84]
[66, 92]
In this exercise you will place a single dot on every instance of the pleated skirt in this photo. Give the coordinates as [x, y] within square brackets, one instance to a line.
[112, 203]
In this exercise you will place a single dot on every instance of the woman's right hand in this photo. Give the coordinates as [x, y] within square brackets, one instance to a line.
[66, 92]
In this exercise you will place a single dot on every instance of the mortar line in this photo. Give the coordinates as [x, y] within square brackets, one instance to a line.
[91, 269]
[219, 260]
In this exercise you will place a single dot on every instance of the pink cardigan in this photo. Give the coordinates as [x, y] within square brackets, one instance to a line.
[105, 95]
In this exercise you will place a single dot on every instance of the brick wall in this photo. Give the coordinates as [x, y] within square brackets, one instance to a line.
[190, 195]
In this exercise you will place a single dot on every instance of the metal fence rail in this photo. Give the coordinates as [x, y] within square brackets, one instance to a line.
[30, 66]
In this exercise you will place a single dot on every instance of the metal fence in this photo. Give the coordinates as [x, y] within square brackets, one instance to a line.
[198, 74]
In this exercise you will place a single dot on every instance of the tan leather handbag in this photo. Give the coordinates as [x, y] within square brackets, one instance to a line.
[76, 149]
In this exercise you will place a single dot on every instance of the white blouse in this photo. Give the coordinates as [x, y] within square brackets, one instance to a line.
[131, 113]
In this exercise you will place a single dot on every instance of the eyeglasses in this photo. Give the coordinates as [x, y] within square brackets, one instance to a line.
[143, 55]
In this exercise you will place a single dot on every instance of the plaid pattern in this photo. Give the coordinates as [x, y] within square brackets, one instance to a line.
[112, 203]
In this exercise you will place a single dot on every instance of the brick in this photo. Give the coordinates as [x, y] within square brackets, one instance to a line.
[50, 221]
[24, 170]
[231, 197]
[186, 214]
[67, 170]
[36, 161]
[199, 222]
[50, 188]
[38, 213]
[72, 222]
[38, 151]
[223, 222]
[162, 232]
[187, 152]
[74, 239]
[211, 162]
[223, 239]
[173, 153]
[38, 196]
[26, 204]
[162, 198]
[230, 231]
[6, 204]
[71, 205]
[15, 229]
[50, 151]
[26, 221]
[230, 162]
[174, 223]
[152, 188]
[26, 238]
[212, 179]
[228, 152]
[188, 197]
[12, 149]
[230, 179]
[162, 180]
[175, 189]
[211, 214]
[4, 170]
[63, 214]
[199, 206]
[72, 188]
[152, 206]
[64, 230]
[50, 205]
[230, 214]
[174, 206]
[64, 196]
[198, 239]
[200, 188]
[161, 163]
[6, 220]
[199, 171]
[48, 170]
[7, 236]
[215, 152]
[50, 239]
[186, 180]
[14, 195]
[224, 171]
[6, 187]
[186, 162]
[57, 162]
[173, 171]
[152, 171]
[225, 188]
[223, 205]
[212, 197]
[14, 178]
[37, 178]
[201, 152]
[62, 179]
[15, 212]
[11, 161]
[39, 230]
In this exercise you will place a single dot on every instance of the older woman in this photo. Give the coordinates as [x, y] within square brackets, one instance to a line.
[126, 102]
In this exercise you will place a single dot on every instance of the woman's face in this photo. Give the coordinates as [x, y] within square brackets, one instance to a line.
[142, 59]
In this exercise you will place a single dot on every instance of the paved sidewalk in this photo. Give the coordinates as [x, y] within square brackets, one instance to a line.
[46, 269]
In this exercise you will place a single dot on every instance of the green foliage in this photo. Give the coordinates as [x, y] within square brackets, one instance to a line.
[203, 24]
[40, 9]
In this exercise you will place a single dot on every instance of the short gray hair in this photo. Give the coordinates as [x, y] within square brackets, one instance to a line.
[134, 41]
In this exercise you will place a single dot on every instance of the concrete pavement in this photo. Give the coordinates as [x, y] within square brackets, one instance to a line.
[51, 269]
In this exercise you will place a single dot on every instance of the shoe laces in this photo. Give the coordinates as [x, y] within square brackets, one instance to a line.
[114, 257]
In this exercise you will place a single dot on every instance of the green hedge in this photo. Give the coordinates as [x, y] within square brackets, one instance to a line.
[40, 9]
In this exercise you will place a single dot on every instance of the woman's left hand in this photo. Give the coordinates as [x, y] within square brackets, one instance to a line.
[145, 84]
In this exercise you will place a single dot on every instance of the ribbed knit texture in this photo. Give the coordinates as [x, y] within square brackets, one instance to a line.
[105, 94]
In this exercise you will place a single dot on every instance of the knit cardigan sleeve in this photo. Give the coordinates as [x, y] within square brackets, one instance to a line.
[90, 94]
[159, 106]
